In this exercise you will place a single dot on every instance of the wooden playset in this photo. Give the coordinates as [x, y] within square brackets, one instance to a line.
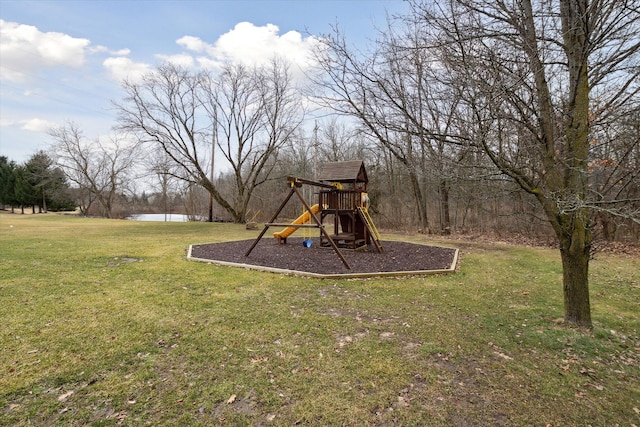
[342, 202]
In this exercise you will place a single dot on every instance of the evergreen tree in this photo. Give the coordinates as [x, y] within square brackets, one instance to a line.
[7, 182]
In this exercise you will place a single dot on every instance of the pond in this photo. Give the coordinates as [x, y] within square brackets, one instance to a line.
[159, 217]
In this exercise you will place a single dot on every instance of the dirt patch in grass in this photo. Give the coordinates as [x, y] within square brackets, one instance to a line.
[396, 257]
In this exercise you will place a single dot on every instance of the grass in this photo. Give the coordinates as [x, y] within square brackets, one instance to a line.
[104, 322]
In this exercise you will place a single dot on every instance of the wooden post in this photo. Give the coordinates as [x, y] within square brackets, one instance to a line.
[266, 226]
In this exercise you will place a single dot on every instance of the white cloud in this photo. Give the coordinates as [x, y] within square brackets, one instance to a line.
[101, 49]
[252, 45]
[193, 43]
[121, 52]
[37, 125]
[4, 122]
[24, 49]
[182, 59]
[245, 43]
[32, 125]
[121, 68]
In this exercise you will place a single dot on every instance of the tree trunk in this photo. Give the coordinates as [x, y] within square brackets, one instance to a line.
[575, 252]
[574, 235]
[445, 218]
[44, 202]
[420, 203]
[575, 277]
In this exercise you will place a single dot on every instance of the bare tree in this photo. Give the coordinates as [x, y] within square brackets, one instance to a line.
[163, 169]
[337, 141]
[164, 110]
[99, 170]
[257, 114]
[396, 96]
[349, 85]
[529, 71]
[615, 174]
[247, 113]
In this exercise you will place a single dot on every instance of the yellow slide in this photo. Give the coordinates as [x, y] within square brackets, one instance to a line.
[302, 219]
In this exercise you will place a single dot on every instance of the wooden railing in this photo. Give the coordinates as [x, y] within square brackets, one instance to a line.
[340, 199]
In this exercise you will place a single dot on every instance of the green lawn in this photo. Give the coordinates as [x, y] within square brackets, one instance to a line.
[105, 322]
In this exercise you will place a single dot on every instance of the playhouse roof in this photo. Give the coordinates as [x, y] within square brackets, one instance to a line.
[351, 171]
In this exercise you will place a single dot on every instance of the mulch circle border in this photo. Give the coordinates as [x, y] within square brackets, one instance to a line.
[358, 275]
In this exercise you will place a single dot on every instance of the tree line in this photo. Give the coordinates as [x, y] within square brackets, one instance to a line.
[37, 183]
[471, 116]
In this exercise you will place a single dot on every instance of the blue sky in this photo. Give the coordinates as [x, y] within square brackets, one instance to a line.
[62, 61]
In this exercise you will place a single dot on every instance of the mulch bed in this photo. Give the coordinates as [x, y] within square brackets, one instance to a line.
[397, 256]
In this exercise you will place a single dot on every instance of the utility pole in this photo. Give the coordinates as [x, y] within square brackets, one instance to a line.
[214, 139]
[315, 151]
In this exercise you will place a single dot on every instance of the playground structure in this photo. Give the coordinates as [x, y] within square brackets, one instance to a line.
[281, 236]
[342, 202]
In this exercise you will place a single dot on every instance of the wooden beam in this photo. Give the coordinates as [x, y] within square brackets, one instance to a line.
[288, 224]
[300, 181]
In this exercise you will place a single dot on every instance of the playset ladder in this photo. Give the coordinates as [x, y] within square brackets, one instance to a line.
[368, 222]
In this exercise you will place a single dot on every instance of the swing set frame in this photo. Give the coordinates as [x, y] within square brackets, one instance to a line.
[295, 184]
